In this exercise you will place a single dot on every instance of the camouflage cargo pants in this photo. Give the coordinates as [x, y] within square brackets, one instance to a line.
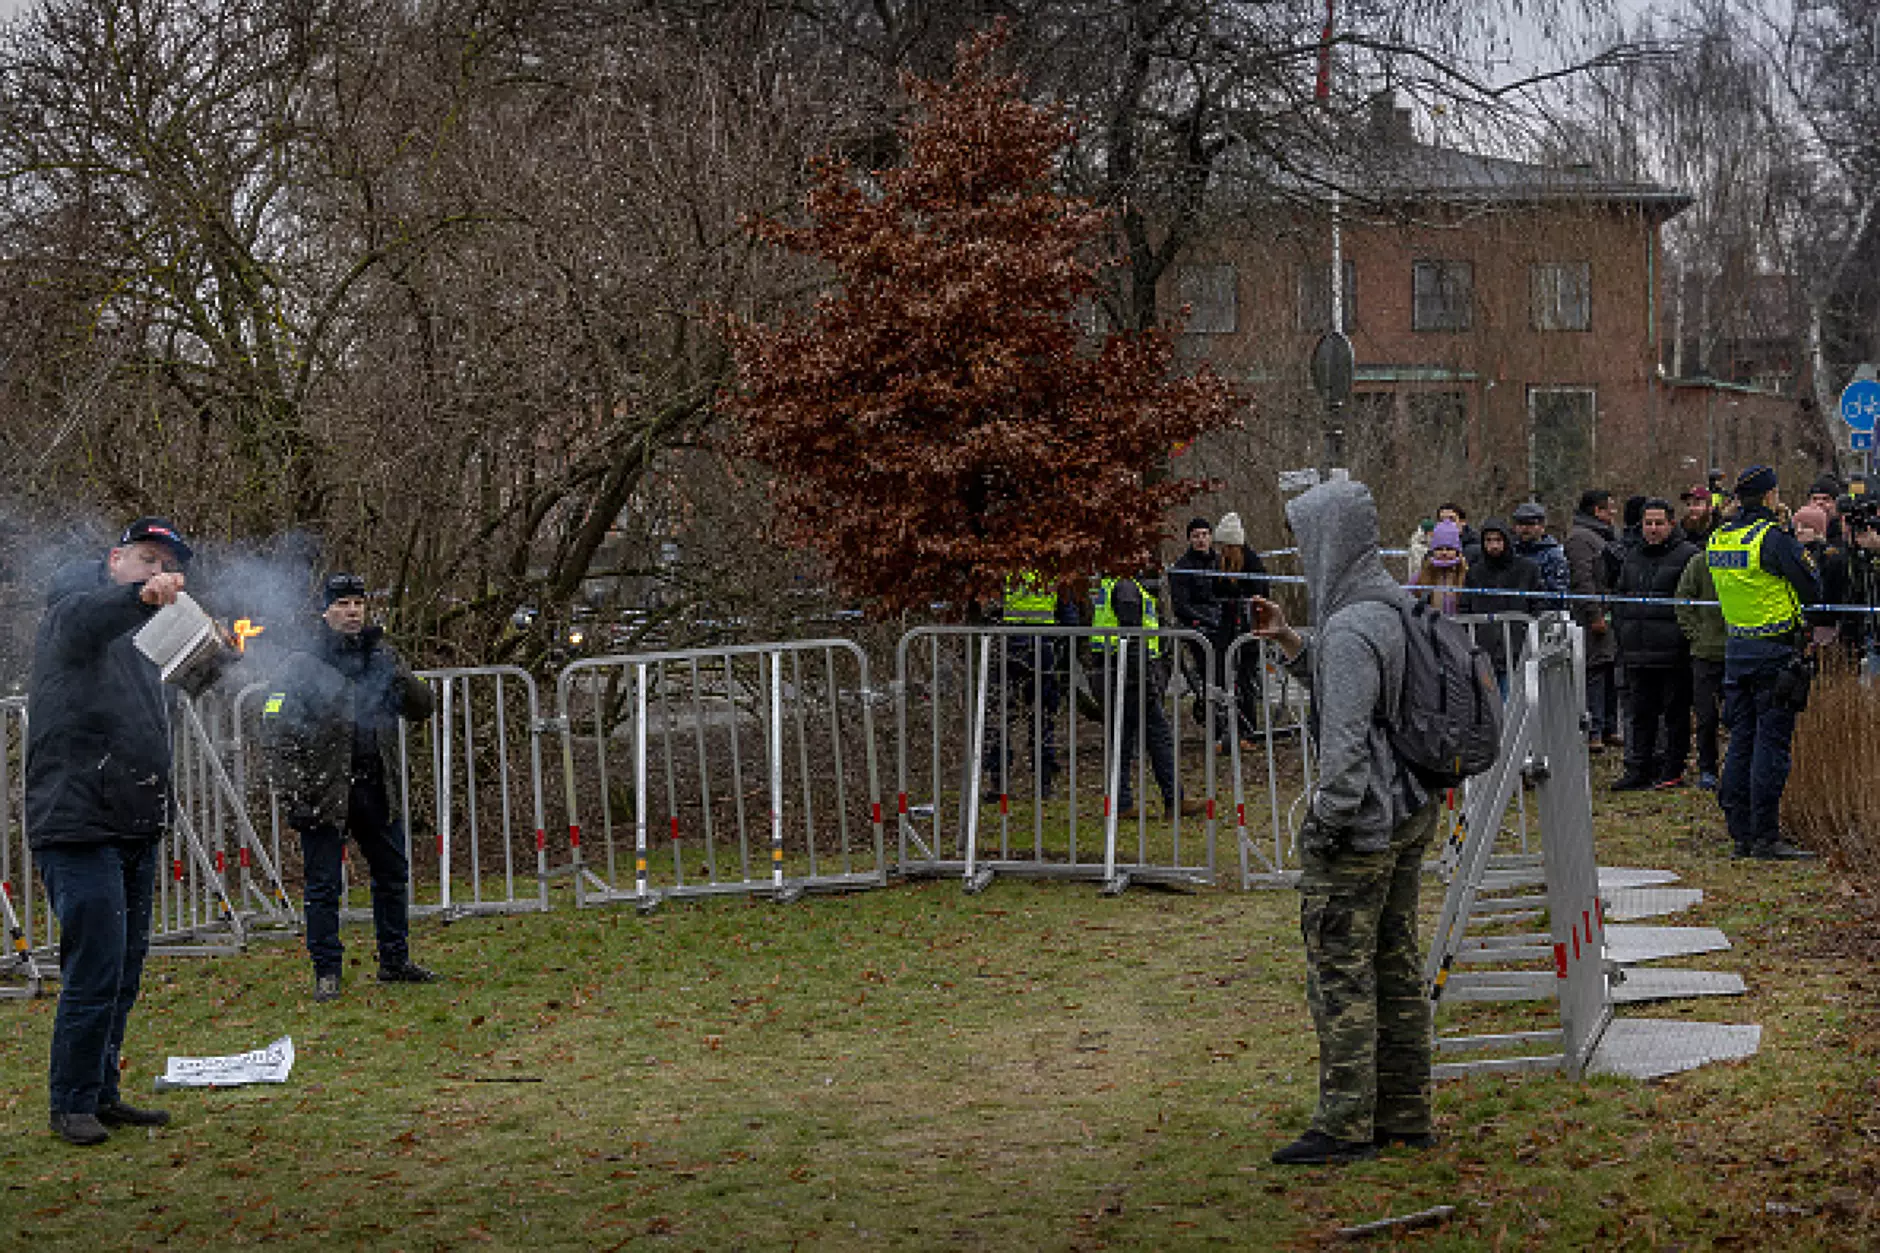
[1364, 981]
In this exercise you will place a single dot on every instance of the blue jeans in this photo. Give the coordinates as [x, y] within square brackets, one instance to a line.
[101, 896]
[382, 840]
[1756, 767]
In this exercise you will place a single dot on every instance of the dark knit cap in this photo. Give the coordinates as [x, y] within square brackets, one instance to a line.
[340, 586]
[1755, 481]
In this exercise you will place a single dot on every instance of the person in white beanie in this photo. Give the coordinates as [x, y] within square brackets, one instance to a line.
[1239, 559]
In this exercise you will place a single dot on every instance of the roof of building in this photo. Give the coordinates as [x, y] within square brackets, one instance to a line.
[1389, 166]
[1418, 171]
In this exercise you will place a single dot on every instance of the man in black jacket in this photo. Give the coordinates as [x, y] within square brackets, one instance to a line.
[1193, 595]
[1501, 569]
[332, 736]
[1654, 652]
[97, 794]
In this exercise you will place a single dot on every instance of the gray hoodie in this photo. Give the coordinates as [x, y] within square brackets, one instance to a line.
[1354, 664]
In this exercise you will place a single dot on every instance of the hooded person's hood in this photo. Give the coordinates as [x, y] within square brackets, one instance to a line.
[1335, 527]
[1497, 526]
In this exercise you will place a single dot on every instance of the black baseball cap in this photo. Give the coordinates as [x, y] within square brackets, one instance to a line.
[340, 586]
[1530, 511]
[159, 531]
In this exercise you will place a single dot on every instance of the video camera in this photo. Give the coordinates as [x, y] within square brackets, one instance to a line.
[1859, 514]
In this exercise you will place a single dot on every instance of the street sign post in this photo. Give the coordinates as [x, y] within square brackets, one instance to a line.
[1860, 404]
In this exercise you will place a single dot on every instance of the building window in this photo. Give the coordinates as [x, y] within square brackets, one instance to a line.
[1443, 295]
[1314, 304]
[1560, 443]
[1212, 295]
[1562, 295]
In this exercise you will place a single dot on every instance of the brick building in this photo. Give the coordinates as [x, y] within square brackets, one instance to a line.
[1506, 327]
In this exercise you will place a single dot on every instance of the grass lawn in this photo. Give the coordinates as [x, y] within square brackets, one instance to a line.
[1036, 1067]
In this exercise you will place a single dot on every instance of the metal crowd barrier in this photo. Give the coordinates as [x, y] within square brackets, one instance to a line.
[721, 771]
[972, 703]
[218, 881]
[1484, 948]
[23, 908]
[476, 764]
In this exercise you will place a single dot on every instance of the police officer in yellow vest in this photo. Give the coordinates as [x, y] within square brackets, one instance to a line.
[1123, 602]
[1032, 669]
[1763, 579]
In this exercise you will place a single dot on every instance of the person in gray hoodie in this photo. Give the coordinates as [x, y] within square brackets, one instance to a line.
[1362, 843]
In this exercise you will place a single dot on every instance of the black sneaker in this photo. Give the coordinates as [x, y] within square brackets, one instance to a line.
[79, 1128]
[325, 988]
[1315, 1148]
[1405, 1139]
[405, 971]
[118, 1114]
[1780, 850]
[1629, 782]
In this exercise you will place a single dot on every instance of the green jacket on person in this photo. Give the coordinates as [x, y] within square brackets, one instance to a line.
[1702, 624]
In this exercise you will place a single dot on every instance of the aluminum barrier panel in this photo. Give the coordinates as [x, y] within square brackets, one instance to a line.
[1043, 751]
[23, 909]
[1486, 949]
[740, 770]
[470, 796]
[218, 879]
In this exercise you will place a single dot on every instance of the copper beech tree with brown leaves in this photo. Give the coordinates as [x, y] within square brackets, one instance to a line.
[938, 421]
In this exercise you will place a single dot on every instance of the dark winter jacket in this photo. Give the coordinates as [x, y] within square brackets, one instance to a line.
[1586, 548]
[1193, 593]
[1551, 560]
[1649, 635]
[1511, 572]
[98, 718]
[331, 719]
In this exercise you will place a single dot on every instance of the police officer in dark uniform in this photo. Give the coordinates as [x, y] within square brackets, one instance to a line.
[1034, 683]
[1763, 579]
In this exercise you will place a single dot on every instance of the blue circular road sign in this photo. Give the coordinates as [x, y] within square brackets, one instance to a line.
[1860, 404]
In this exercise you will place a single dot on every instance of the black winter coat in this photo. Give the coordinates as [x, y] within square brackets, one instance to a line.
[1192, 592]
[1649, 635]
[1513, 573]
[98, 718]
[331, 719]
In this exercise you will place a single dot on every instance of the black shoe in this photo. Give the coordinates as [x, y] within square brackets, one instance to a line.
[118, 1114]
[1315, 1148]
[1780, 850]
[325, 988]
[1405, 1139]
[79, 1128]
[1629, 782]
[406, 971]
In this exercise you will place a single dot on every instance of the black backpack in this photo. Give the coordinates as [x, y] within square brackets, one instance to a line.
[1449, 718]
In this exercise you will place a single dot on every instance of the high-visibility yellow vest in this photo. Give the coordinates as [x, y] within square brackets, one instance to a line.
[1757, 603]
[1105, 616]
[1026, 600]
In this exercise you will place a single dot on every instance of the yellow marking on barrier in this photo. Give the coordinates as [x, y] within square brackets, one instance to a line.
[274, 703]
[639, 864]
[776, 854]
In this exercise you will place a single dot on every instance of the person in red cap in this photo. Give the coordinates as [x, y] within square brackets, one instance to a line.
[1699, 516]
[97, 795]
